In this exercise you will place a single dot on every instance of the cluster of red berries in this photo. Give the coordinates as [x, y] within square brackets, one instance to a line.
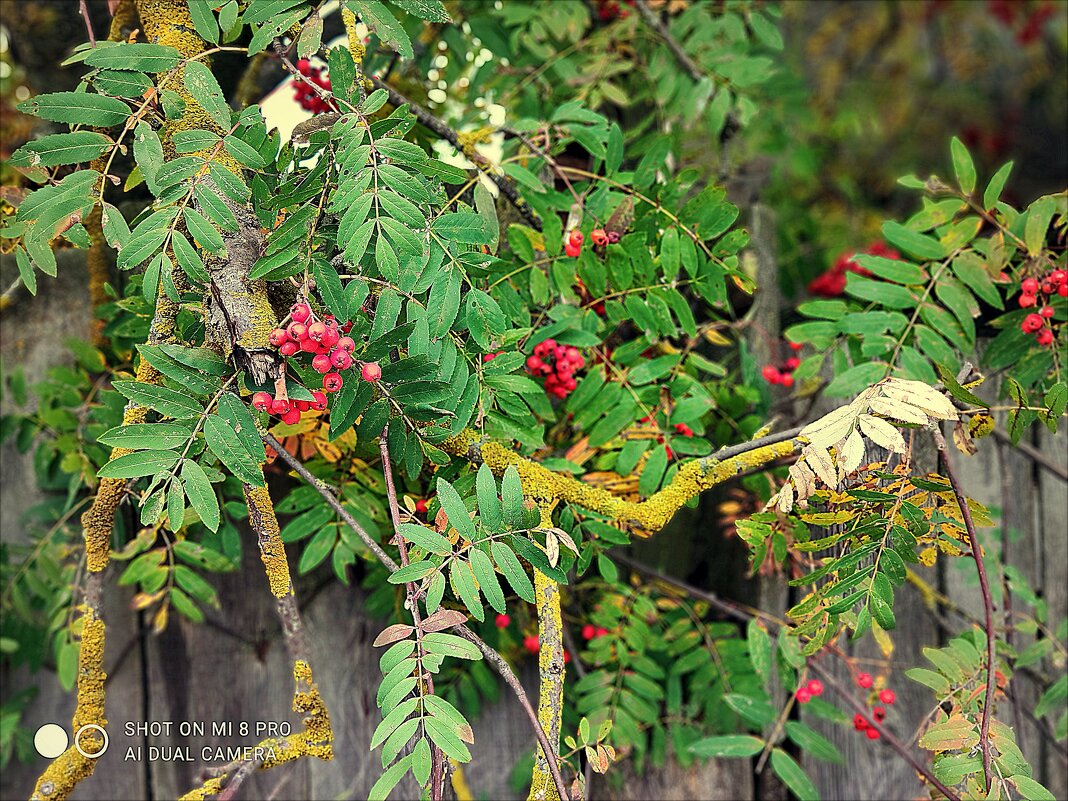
[878, 712]
[288, 410]
[608, 10]
[592, 632]
[1037, 293]
[304, 91]
[783, 373]
[812, 688]
[831, 283]
[329, 343]
[1034, 20]
[598, 236]
[558, 363]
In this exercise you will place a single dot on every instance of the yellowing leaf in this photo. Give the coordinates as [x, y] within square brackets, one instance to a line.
[882, 433]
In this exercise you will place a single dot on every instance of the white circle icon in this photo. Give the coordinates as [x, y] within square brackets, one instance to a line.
[94, 727]
[50, 740]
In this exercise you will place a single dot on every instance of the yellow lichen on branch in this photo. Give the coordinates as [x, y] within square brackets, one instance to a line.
[315, 739]
[72, 766]
[272, 550]
[550, 673]
[652, 514]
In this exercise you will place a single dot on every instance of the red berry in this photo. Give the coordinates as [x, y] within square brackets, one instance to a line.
[613, 237]
[297, 331]
[1062, 290]
[1044, 337]
[771, 374]
[292, 416]
[371, 371]
[859, 723]
[534, 364]
[879, 713]
[421, 506]
[872, 734]
[303, 65]
[572, 250]
[815, 687]
[317, 331]
[795, 346]
[331, 337]
[601, 631]
[321, 363]
[1058, 276]
[864, 680]
[332, 382]
[319, 404]
[346, 344]
[1032, 323]
[541, 350]
[575, 237]
[1026, 301]
[278, 337]
[793, 363]
[488, 357]
[567, 657]
[589, 631]
[502, 621]
[803, 696]
[302, 405]
[1047, 288]
[887, 696]
[1047, 311]
[261, 401]
[300, 312]
[1029, 286]
[598, 236]
[787, 380]
[289, 348]
[341, 360]
[531, 643]
[279, 406]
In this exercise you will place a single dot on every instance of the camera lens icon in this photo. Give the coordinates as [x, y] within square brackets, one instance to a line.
[78, 745]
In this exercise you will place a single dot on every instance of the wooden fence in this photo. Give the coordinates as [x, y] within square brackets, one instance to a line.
[236, 670]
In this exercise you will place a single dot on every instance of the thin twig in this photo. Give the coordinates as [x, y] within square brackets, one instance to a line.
[492, 656]
[437, 774]
[654, 22]
[1034, 454]
[88, 22]
[988, 601]
[891, 740]
[506, 187]
[512, 681]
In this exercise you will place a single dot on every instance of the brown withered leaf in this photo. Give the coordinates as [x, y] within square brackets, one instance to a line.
[963, 440]
[391, 634]
[443, 619]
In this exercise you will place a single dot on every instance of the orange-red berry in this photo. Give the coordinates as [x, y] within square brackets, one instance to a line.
[371, 372]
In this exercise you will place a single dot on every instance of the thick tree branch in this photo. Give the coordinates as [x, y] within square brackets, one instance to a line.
[651, 514]
[550, 673]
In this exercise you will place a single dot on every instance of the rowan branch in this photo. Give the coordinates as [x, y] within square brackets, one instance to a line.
[492, 656]
[442, 129]
[888, 737]
[988, 602]
[412, 591]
